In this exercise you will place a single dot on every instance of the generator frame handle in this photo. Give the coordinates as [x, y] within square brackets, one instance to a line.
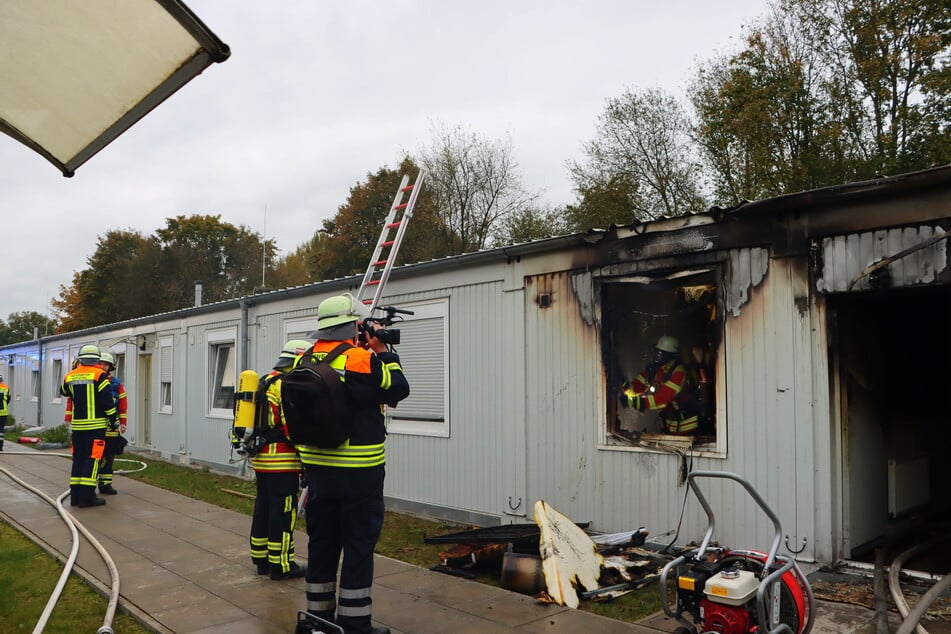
[768, 579]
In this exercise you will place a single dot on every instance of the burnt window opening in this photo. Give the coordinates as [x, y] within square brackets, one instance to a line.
[641, 315]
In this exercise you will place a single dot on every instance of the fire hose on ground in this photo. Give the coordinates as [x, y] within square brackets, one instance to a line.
[912, 617]
[73, 525]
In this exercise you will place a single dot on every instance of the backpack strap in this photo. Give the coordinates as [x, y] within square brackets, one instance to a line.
[333, 354]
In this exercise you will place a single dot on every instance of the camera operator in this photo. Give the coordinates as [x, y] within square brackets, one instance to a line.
[345, 512]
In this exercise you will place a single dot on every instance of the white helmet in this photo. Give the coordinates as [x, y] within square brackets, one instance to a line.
[107, 357]
[291, 349]
[668, 344]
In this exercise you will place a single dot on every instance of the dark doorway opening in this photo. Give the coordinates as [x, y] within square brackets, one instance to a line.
[892, 353]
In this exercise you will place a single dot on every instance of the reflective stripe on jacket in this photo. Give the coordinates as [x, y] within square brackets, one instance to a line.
[4, 399]
[668, 397]
[122, 405]
[91, 401]
[279, 455]
[371, 380]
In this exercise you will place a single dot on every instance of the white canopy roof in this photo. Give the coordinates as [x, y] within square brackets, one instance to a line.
[74, 75]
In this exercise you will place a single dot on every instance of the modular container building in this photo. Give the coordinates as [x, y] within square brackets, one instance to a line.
[813, 325]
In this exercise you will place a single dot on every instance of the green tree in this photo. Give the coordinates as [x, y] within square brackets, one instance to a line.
[475, 183]
[130, 275]
[352, 233]
[825, 92]
[300, 266]
[19, 326]
[641, 164]
[529, 224]
[115, 285]
[227, 259]
[890, 62]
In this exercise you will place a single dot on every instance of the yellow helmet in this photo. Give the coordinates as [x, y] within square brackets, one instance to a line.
[89, 352]
[340, 309]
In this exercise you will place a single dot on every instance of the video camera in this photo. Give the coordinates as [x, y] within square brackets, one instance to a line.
[389, 336]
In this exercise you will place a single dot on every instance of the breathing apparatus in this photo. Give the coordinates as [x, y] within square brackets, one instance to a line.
[245, 402]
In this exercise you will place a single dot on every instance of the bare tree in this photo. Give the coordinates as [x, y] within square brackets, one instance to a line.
[475, 183]
[643, 141]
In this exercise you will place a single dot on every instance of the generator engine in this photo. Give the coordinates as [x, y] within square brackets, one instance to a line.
[720, 594]
[737, 591]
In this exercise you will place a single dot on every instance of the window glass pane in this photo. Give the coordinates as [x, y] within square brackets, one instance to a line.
[57, 378]
[224, 376]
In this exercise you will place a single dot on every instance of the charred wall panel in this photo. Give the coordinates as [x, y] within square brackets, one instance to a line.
[845, 260]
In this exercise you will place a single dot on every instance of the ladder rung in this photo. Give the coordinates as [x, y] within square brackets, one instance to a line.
[401, 206]
[368, 301]
[373, 282]
[394, 224]
[379, 262]
[388, 243]
[408, 187]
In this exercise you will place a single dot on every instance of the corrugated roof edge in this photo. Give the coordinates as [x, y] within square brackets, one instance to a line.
[885, 185]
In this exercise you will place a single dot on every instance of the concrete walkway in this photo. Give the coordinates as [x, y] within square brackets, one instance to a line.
[184, 568]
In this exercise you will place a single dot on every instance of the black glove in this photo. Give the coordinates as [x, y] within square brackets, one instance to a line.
[622, 399]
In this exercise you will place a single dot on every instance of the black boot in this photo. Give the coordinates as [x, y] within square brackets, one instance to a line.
[262, 566]
[93, 501]
[106, 489]
[296, 572]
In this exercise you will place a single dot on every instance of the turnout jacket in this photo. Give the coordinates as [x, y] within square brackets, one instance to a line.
[371, 381]
[279, 454]
[672, 396]
[4, 400]
[91, 404]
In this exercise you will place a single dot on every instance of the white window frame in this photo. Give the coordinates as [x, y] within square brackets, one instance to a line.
[35, 383]
[57, 383]
[299, 328]
[120, 357]
[216, 341]
[409, 418]
[166, 374]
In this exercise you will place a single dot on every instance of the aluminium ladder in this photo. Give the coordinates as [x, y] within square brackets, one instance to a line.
[378, 272]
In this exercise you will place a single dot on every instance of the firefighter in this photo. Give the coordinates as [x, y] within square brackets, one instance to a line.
[278, 471]
[4, 408]
[93, 410]
[664, 387]
[108, 363]
[345, 512]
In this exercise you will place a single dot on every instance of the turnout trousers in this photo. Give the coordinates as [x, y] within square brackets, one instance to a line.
[88, 447]
[273, 520]
[344, 515]
[108, 456]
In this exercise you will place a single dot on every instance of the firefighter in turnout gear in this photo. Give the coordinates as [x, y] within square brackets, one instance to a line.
[4, 408]
[278, 471]
[108, 363]
[93, 410]
[345, 512]
[664, 386]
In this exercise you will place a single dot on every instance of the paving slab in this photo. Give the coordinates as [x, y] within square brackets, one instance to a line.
[184, 568]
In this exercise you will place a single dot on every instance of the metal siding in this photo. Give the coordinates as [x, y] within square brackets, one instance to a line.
[478, 467]
[846, 256]
[771, 350]
[563, 382]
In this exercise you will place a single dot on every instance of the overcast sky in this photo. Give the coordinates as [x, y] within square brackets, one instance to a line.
[318, 94]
